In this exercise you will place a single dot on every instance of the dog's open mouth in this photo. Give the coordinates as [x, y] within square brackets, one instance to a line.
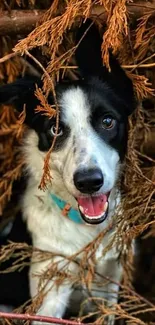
[93, 208]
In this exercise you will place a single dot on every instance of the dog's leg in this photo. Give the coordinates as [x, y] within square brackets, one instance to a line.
[56, 298]
[108, 269]
[114, 272]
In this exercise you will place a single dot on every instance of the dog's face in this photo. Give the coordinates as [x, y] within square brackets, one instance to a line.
[92, 136]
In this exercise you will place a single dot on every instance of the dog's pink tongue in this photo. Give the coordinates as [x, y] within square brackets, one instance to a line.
[93, 205]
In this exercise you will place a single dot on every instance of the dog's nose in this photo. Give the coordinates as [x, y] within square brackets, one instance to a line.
[88, 181]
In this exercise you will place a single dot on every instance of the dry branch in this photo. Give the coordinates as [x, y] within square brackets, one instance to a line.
[135, 9]
[19, 21]
[24, 21]
[43, 319]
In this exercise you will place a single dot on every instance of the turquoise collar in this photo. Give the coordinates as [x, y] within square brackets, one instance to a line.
[67, 210]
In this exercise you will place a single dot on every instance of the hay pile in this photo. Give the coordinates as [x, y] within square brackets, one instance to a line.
[49, 50]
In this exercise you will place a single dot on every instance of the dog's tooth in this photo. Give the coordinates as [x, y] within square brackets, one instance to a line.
[89, 217]
[81, 208]
[105, 207]
[94, 217]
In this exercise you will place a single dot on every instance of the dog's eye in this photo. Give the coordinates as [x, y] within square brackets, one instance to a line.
[108, 122]
[54, 131]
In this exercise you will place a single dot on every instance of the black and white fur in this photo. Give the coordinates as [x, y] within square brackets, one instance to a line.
[83, 144]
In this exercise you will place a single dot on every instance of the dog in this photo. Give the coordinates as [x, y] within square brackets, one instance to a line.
[85, 165]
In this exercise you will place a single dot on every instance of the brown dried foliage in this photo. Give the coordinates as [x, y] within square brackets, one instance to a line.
[144, 34]
[44, 107]
[133, 46]
[11, 132]
[117, 26]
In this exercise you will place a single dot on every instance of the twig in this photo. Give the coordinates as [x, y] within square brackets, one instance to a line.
[38, 63]
[134, 66]
[8, 57]
[46, 319]
[140, 64]
[69, 67]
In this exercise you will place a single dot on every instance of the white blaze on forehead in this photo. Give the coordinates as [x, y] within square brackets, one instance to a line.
[91, 150]
[75, 108]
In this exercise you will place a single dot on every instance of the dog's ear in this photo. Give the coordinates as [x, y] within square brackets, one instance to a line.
[122, 85]
[88, 52]
[89, 59]
[19, 93]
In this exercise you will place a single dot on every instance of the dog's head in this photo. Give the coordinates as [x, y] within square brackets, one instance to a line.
[92, 136]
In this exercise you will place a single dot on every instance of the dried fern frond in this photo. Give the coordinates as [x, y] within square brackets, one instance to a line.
[144, 34]
[44, 108]
[117, 25]
[142, 86]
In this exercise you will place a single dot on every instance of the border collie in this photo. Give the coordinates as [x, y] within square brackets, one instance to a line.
[85, 166]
